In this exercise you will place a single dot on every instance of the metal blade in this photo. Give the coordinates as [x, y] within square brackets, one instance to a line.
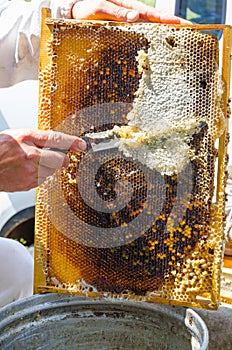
[100, 141]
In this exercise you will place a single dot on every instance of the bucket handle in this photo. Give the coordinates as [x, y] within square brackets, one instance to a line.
[198, 329]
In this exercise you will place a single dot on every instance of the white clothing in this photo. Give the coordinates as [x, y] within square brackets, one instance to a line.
[19, 37]
[16, 271]
[19, 60]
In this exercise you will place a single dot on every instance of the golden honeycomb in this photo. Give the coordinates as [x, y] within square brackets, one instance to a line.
[144, 220]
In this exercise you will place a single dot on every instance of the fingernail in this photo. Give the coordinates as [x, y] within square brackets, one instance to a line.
[132, 16]
[184, 21]
[81, 145]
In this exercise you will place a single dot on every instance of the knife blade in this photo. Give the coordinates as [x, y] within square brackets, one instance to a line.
[100, 141]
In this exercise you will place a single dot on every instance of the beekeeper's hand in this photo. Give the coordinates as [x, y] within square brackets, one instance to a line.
[26, 158]
[120, 10]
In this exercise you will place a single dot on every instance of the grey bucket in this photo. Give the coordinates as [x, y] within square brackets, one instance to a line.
[56, 321]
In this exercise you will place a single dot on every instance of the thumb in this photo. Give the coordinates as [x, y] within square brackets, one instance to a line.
[58, 140]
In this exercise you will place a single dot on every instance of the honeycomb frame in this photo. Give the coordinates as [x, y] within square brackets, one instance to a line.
[195, 279]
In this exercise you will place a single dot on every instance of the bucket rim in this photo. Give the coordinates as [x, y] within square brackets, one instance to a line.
[38, 304]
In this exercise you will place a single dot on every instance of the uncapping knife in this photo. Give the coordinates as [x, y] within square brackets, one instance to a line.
[100, 141]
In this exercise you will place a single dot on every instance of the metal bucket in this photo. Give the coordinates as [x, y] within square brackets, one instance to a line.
[56, 321]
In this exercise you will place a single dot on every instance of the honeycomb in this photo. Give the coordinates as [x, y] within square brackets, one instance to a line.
[145, 220]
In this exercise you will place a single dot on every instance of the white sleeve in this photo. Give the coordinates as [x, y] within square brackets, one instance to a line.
[20, 35]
